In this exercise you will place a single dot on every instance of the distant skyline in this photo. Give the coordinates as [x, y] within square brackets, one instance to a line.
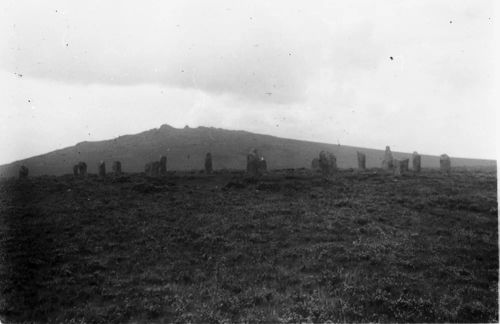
[414, 75]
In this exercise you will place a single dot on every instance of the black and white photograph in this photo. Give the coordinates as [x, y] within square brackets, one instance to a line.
[324, 161]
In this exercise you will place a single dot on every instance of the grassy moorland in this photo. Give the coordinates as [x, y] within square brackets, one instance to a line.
[288, 247]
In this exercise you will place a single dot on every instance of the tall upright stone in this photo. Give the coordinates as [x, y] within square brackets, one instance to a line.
[162, 168]
[417, 162]
[23, 172]
[445, 163]
[208, 163]
[155, 168]
[387, 163]
[396, 167]
[315, 164]
[361, 161]
[102, 169]
[75, 170]
[117, 167]
[82, 169]
[253, 163]
[327, 163]
[147, 168]
[152, 169]
[405, 165]
[262, 165]
[400, 167]
[333, 162]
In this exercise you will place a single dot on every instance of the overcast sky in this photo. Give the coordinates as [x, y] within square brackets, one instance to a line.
[415, 75]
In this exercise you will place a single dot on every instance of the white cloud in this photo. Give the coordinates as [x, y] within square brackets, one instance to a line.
[319, 71]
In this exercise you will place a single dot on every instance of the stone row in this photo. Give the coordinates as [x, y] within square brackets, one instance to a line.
[326, 163]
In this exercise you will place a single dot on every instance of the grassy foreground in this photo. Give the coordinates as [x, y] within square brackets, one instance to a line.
[288, 247]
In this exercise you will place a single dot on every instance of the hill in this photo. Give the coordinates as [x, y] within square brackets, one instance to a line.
[186, 149]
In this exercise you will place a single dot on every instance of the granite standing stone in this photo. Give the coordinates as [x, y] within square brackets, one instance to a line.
[417, 162]
[117, 167]
[361, 161]
[163, 165]
[387, 163]
[102, 169]
[208, 163]
[445, 163]
[23, 172]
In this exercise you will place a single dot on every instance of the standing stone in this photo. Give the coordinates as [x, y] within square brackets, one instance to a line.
[387, 163]
[152, 169]
[361, 161]
[417, 162]
[315, 164]
[327, 163]
[404, 165]
[333, 162]
[162, 168]
[208, 163]
[396, 167]
[253, 163]
[155, 169]
[75, 170]
[23, 172]
[117, 167]
[262, 165]
[82, 169]
[147, 168]
[400, 166]
[445, 163]
[102, 169]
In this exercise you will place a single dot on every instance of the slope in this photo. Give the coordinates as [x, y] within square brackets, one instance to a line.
[186, 149]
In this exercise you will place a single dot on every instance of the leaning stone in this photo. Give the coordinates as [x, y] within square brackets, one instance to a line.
[445, 163]
[417, 162]
[208, 163]
[75, 170]
[23, 172]
[361, 161]
[162, 168]
[102, 169]
[117, 167]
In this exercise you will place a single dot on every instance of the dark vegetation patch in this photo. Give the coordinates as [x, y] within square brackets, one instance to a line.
[287, 247]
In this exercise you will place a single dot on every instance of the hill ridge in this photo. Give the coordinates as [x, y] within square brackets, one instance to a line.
[186, 148]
